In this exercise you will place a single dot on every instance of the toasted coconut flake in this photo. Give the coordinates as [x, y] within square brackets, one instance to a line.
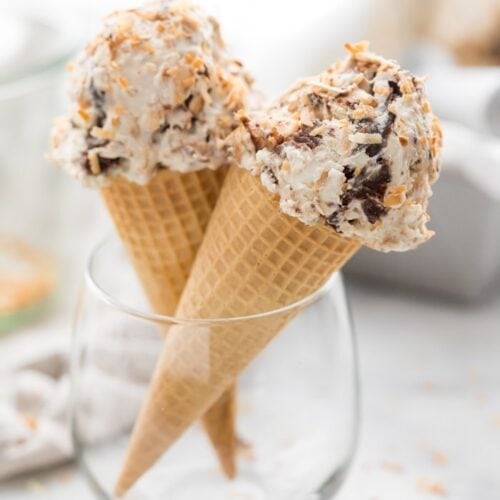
[148, 47]
[395, 196]
[362, 138]
[30, 422]
[407, 86]
[369, 101]
[403, 140]
[285, 166]
[102, 133]
[206, 96]
[95, 166]
[151, 67]
[321, 181]
[364, 112]
[135, 39]
[382, 90]
[190, 23]
[84, 115]
[188, 82]
[306, 118]
[356, 48]
[196, 105]
[125, 25]
[318, 130]
[359, 79]
[123, 83]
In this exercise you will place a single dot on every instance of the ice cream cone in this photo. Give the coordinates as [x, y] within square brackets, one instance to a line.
[253, 258]
[154, 96]
[220, 425]
[162, 226]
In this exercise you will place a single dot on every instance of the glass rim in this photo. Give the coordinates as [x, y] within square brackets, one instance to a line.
[153, 317]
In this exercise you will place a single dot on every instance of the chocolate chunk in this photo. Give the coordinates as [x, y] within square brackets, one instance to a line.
[374, 149]
[188, 99]
[396, 91]
[104, 163]
[376, 182]
[367, 126]
[107, 163]
[94, 142]
[268, 171]
[159, 131]
[98, 96]
[85, 163]
[369, 187]
[386, 131]
[373, 210]
[98, 100]
[303, 137]
[348, 172]
[258, 139]
[315, 100]
[276, 137]
[333, 221]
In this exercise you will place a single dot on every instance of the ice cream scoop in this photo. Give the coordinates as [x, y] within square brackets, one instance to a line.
[155, 89]
[355, 147]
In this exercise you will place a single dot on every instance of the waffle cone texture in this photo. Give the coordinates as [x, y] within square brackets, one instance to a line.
[253, 259]
[162, 226]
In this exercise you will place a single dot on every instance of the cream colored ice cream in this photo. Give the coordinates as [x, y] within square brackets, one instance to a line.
[154, 90]
[357, 147]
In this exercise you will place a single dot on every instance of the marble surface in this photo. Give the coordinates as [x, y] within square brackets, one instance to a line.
[431, 406]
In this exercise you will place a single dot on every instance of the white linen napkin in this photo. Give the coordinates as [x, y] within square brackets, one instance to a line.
[35, 390]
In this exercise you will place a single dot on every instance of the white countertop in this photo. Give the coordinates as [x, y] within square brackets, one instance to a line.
[431, 405]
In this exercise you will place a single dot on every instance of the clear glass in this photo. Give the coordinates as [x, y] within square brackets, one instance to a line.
[297, 402]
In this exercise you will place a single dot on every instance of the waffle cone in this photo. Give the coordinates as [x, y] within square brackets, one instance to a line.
[253, 258]
[162, 226]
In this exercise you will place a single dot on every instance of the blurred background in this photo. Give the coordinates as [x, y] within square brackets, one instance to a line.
[428, 322]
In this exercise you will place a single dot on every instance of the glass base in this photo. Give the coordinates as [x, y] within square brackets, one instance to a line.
[180, 477]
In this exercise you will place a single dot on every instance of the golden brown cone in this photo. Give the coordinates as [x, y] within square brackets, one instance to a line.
[220, 425]
[253, 258]
[162, 226]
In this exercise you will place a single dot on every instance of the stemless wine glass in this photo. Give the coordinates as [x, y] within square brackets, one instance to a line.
[297, 402]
